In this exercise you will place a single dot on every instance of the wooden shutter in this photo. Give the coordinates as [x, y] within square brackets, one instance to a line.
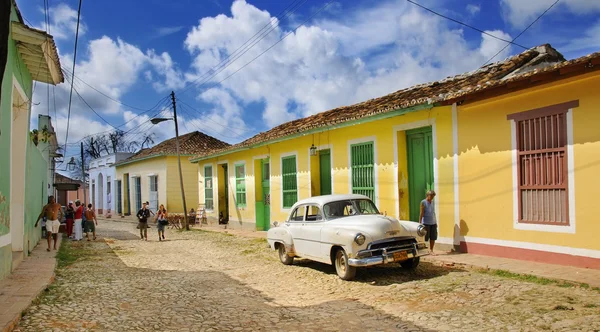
[208, 188]
[290, 183]
[240, 185]
[363, 169]
[542, 168]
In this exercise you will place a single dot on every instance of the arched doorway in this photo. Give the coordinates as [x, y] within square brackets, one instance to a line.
[100, 194]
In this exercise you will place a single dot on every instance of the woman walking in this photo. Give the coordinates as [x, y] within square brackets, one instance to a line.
[161, 216]
[70, 215]
[90, 218]
[78, 221]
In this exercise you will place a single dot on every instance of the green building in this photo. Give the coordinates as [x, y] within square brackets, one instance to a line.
[26, 168]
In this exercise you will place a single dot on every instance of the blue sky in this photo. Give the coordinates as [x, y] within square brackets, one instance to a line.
[137, 52]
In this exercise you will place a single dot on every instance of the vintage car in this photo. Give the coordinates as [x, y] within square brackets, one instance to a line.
[347, 231]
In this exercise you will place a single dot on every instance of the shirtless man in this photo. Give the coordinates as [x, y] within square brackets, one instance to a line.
[53, 212]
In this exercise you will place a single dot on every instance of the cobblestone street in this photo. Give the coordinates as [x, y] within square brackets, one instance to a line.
[206, 281]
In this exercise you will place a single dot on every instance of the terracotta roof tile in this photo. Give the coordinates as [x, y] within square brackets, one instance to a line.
[189, 144]
[535, 60]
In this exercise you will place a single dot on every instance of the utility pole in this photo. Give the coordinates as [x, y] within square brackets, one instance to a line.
[83, 175]
[185, 212]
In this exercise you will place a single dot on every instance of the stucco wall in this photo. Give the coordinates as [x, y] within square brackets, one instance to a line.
[144, 168]
[190, 184]
[383, 132]
[486, 166]
[15, 71]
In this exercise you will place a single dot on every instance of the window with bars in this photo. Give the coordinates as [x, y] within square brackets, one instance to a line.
[363, 169]
[290, 181]
[119, 185]
[153, 193]
[208, 188]
[542, 167]
[137, 181]
[240, 185]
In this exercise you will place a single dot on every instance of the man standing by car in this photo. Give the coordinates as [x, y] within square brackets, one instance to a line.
[53, 213]
[428, 219]
[143, 215]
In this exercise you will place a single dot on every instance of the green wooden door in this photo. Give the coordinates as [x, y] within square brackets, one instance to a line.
[226, 190]
[266, 190]
[420, 167]
[363, 169]
[325, 171]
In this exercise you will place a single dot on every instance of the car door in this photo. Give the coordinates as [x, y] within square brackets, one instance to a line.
[295, 224]
[310, 231]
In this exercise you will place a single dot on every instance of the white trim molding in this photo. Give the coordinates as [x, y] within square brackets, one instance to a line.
[262, 156]
[212, 177]
[375, 163]
[281, 156]
[455, 173]
[571, 179]
[409, 126]
[5, 240]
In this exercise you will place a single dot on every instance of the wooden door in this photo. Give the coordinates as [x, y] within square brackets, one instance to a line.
[420, 167]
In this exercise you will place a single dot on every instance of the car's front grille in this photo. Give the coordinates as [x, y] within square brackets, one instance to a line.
[395, 243]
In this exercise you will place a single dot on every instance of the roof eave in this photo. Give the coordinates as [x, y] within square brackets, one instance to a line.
[39, 53]
[526, 82]
[162, 154]
[369, 118]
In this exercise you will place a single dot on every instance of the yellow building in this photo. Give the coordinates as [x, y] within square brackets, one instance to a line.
[457, 137]
[152, 175]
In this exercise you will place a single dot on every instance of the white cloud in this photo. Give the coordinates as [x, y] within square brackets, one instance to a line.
[371, 52]
[522, 12]
[589, 41]
[490, 46]
[63, 22]
[473, 9]
[164, 66]
[165, 31]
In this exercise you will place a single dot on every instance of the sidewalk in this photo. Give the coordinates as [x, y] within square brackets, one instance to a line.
[550, 271]
[19, 289]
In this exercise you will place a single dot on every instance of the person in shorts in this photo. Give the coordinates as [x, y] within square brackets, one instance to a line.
[428, 219]
[53, 213]
[143, 215]
[90, 219]
[162, 222]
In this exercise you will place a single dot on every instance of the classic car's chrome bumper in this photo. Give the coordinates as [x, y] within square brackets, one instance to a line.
[387, 256]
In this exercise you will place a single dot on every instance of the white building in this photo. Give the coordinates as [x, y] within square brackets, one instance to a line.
[102, 175]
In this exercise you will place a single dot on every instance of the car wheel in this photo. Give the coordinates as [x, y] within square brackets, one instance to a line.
[344, 271]
[411, 264]
[283, 255]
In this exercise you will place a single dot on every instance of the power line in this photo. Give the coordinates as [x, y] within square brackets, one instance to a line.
[211, 120]
[522, 32]
[72, 81]
[109, 97]
[193, 123]
[280, 40]
[121, 125]
[465, 24]
[221, 65]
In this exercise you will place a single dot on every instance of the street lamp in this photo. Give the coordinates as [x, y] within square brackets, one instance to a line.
[159, 120]
[71, 164]
[174, 118]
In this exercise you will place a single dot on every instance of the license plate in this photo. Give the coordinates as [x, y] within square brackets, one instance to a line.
[400, 256]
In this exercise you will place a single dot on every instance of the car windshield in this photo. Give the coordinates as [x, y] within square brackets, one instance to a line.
[350, 207]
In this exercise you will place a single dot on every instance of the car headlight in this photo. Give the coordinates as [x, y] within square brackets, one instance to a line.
[421, 230]
[359, 239]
